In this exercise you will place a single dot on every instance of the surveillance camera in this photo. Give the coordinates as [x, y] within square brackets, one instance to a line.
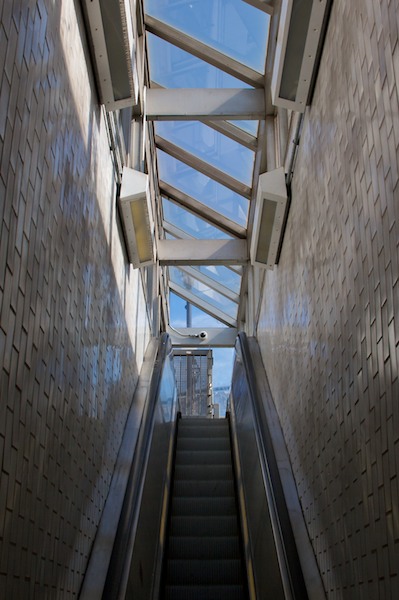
[203, 335]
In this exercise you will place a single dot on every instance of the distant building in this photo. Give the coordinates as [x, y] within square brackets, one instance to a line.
[193, 370]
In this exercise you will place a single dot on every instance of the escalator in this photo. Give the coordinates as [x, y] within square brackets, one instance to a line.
[209, 505]
[203, 556]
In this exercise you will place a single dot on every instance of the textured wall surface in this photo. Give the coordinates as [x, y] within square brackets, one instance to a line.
[329, 327]
[73, 320]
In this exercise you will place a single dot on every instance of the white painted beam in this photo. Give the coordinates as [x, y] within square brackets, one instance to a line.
[183, 235]
[202, 252]
[203, 104]
[217, 337]
[266, 5]
[234, 133]
[175, 231]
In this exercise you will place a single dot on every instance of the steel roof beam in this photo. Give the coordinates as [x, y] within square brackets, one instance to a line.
[234, 133]
[183, 235]
[230, 130]
[266, 5]
[217, 337]
[202, 252]
[194, 104]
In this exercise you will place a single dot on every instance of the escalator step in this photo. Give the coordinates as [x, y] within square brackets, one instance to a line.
[198, 422]
[195, 488]
[204, 506]
[204, 555]
[204, 432]
[203, 457]
[204, 547]
[203, 526]
[204, 472]
[204, 592]
[203, 443]
[204, 572]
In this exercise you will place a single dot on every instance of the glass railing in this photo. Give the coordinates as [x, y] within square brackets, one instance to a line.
[136, 560]
[271, 552]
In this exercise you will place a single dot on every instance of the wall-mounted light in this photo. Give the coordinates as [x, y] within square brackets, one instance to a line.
[269, 214]
[300, 37]
[136, 214]
[109, 23]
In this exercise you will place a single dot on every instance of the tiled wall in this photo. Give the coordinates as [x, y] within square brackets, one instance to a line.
[329, 327]
[73, 319]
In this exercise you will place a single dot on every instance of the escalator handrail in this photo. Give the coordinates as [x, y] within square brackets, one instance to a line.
[285, 543]
[118, 570]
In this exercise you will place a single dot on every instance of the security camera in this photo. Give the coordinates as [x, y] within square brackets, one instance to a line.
[203, 335]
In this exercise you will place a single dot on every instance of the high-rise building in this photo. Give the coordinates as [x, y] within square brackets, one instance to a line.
[193, 370]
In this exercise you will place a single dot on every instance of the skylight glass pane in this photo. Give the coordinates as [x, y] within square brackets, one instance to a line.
[250, 127]
[202, 188]
[210, 146]
[230, 26]
[171, 67]
[199, 318]
[223, 275]
[191, 224]
[203, 292]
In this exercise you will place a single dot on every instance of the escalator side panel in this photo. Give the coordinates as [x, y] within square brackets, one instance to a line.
[146, 563]
[144, 559]
[262, 550]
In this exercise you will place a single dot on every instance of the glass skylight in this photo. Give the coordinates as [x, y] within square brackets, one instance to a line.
[203, 292]
[227, 277]
[250, 127]
[229, 26]
[210, 146]
[205, 167]
[171, 67]
[199, 318]
[189, 223]
[202, 188]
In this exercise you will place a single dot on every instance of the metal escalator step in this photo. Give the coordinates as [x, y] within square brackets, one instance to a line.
[199, 488]
[204, 592]
[204, 506]
[204, 431]
[218, 526]
[203, 443]
[187, 422]
[204, 572]
[203, 457]
[204, 472]
[204, 547]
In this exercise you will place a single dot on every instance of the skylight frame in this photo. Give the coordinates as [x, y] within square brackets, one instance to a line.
[202, 211]
[204, 52]
[210, 309]
[227, 128]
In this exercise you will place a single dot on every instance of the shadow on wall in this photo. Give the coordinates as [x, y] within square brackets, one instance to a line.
[71, 348]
